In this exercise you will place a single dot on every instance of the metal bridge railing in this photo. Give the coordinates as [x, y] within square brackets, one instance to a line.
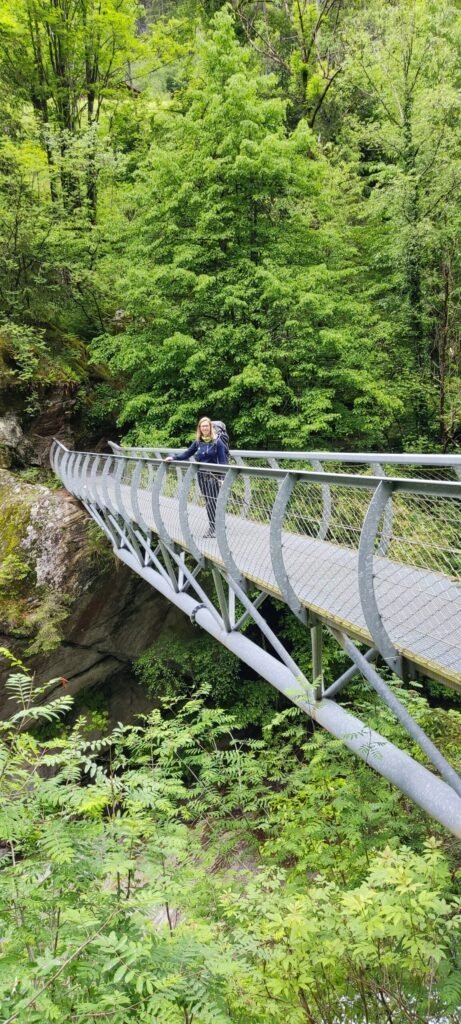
[432, 466]
[378, 556]
[381, 464]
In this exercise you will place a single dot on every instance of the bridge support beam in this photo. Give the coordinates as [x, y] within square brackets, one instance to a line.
[389, 698]
[317, 659]
[430, 793]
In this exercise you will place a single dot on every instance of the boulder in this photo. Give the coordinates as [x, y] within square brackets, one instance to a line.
[15, 450]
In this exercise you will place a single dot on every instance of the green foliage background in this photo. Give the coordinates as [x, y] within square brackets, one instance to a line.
[241, 210]
[249, 210]
[182, 871]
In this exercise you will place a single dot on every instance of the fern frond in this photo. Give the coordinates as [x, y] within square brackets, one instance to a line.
[450, 991]
[47, 712]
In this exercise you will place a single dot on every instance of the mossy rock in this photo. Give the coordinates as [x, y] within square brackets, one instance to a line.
[16, 564]
[33, 594]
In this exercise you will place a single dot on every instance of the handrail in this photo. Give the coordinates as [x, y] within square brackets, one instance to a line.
[413, 485]
[391, 458]
[361, 531]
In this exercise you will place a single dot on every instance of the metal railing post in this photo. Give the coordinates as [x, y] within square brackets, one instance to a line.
[276, 546]
[317, 659]
[367, 593]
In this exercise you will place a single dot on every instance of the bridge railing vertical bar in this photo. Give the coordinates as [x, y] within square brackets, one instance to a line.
[246, 483]
[189, 482]
[67, 471]
[170, 500]
[108, 485]
[131, 536]
[261, 511]
[59, 458]
[157, 489]
[221, 531]
[93, 479]
[120, 513]
[120, 469]
[171, 555]
[112, 515]
[386, 532]
[276, 547]
[95, 503]
[76, 472]
[54, 457]
[63, 460]
[141, 484]
[366, 577]
[135, 489]
[166, 545]
[81, 473]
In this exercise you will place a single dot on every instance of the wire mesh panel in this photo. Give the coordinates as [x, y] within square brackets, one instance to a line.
[323, 572]
[248, 528]
[169, 500]
[418, 584]
[201, 500]
[418, 471]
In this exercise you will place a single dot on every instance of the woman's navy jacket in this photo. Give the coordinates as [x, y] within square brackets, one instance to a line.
[211, 451]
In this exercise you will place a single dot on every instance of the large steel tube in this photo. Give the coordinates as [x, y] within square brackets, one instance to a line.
[428, 791]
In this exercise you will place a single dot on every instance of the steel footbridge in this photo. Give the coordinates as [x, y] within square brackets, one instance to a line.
[364, 546]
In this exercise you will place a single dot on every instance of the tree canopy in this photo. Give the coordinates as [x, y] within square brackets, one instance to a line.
[244, 209]
[248, 210]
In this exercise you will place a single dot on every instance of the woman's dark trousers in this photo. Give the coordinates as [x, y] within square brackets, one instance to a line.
[209, 486]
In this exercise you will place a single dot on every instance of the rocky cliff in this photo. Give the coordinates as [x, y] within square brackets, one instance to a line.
[67, 606]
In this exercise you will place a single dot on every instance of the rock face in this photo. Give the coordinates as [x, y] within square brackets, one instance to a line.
[15, 450]
[88, 616]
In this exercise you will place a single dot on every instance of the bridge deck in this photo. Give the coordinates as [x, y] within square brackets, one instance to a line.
[421, 608]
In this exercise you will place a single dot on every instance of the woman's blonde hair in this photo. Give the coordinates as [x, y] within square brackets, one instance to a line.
[212, 430]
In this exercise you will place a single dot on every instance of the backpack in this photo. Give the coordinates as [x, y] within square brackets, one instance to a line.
[220, 430]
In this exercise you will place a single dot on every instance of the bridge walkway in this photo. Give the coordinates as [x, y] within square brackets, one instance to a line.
[326, 576]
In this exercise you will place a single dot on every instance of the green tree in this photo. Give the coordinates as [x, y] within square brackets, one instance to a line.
[401, 126]
[238, 287]
[301, 42]
[178, 871]
[66, 59]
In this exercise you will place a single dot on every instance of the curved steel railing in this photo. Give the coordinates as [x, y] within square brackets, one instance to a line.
[399, 587]
[431, 466]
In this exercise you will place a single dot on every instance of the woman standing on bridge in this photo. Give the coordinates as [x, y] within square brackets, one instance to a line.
[207, 448]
